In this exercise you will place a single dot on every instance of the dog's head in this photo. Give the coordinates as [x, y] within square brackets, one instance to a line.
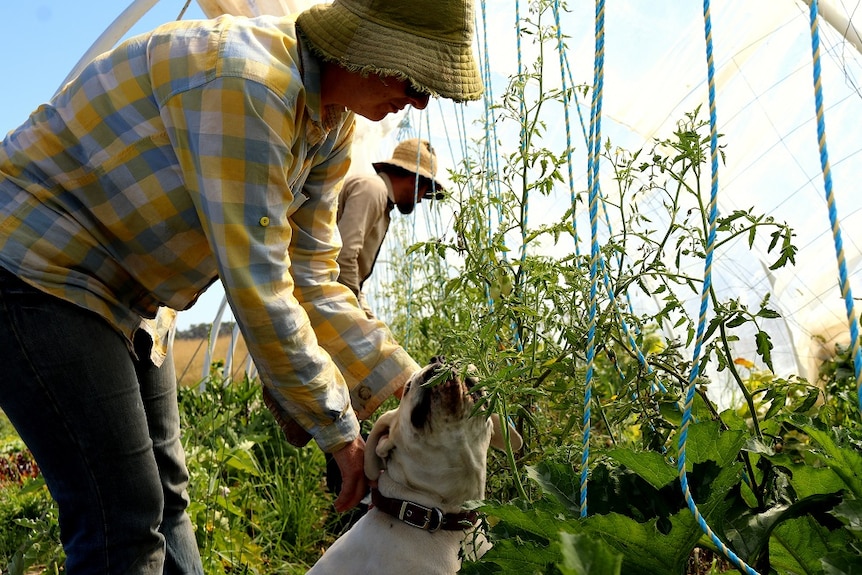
[434, 442]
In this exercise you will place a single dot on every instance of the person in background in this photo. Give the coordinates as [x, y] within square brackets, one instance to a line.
[365, 208]
[202, 151]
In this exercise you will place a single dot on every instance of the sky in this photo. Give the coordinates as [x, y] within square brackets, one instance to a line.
[654, 72]
[42, 41]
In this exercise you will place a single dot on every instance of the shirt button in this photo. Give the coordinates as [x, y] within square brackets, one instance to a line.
[264, 221]
[363, 392]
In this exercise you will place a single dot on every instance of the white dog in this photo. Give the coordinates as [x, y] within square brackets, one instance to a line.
[428, 458]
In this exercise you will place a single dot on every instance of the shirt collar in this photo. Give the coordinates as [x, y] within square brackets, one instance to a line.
[310, 70]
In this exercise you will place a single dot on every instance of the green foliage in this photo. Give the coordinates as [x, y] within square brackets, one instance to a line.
[812, 524]
[545, 324]
[29, 531]
[584, 556]
[258, 504]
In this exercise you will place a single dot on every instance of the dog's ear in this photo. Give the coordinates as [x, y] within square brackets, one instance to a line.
[498, 439]
[378, 444]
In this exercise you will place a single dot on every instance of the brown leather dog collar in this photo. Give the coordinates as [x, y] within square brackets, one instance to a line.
[428, 518]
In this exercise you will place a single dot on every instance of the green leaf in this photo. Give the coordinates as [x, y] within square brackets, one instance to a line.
[842, 562]
[809, 401]
[808, 480]
[649, 465]
[584, 555]
[657, 545]
[559, 482]
[541, 522]
[797, 546]
[511, 556]
[750, 533]
[849, 512]
[768, 313]
[754, 445]
[646, 550]
[706, 442]
[845, 462]
[650, 547]
[764, 348]
[775, 407]
[525, 537]
[241, 458]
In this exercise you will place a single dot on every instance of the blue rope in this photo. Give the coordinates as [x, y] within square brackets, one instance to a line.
[830, 200]
[569, 160]
[431, 217]
[565, 89]
[406, 131]
[522, 110]
[564, 69]
[433, 223]
[489, 127]
[566, 73]
[490, 152]
[525, 209]
[704, 298]
[595, 254]
[522, 105]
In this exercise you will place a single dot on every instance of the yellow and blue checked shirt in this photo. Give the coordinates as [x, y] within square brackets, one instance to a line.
[193, 153]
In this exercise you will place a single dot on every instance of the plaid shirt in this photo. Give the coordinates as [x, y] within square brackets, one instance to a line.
[195, 152]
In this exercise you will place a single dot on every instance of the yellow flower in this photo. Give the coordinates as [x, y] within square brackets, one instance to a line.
[744, 362]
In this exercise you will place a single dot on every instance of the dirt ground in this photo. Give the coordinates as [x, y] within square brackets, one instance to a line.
[704, 562]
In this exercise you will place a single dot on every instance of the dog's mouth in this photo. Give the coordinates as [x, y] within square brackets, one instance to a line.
[442, 385]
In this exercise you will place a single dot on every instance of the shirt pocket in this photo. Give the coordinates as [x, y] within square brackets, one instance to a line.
[298, 199]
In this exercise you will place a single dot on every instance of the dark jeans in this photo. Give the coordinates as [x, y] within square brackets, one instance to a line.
[104, 429]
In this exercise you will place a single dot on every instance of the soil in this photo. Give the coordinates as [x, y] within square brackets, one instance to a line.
[706, 562]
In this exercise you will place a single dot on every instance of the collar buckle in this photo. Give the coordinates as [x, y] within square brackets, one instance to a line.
[415, 515]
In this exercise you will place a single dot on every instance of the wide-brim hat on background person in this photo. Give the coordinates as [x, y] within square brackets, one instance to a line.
[417, 157]
[428, 42]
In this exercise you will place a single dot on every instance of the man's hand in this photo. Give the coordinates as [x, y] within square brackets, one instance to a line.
[354, 485]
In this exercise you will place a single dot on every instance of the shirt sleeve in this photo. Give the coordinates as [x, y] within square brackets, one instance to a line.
[240, 147]
[372, 363]
[235, 143]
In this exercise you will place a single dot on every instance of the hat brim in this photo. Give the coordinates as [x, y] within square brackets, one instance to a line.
[438, 193]
[361, 45]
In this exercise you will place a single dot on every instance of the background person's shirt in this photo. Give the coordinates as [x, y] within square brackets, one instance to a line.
[193, 153]
[364, 214]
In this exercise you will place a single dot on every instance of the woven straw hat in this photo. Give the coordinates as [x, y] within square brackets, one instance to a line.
[428, 42]
[417, 157]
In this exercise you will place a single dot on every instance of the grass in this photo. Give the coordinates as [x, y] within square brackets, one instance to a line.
[28, 523]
